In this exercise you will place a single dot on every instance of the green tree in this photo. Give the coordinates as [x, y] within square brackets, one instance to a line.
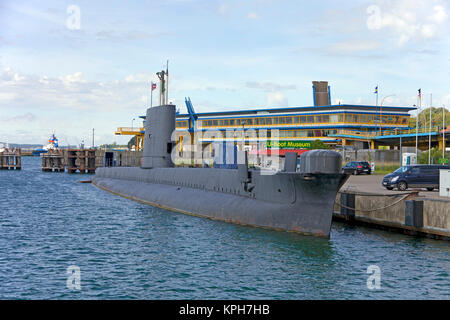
[436, 155]
[319, 144]
[436, 118]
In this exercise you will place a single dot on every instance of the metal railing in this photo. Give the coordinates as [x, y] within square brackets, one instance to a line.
[374, 134]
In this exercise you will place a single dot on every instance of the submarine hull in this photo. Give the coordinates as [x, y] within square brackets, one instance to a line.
[295, 202]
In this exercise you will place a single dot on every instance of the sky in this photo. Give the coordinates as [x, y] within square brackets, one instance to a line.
[70, 66]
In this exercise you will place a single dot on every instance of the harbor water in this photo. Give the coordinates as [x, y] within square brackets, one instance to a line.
[127, 250]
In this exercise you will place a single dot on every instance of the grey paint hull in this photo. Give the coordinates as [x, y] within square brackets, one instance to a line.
[285, 201]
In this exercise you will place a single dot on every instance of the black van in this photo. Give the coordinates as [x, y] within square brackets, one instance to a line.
[414, 176]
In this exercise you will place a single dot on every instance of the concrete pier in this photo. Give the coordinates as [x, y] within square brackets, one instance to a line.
[10, 159]
[415, 212]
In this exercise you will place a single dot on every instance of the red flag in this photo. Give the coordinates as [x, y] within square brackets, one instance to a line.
[153, 86]
[420, 95]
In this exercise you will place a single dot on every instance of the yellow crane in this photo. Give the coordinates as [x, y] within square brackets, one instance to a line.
[131, 131]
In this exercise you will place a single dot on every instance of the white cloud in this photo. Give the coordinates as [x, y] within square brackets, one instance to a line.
[77, 77]
[252, 15]
[276, 99]
[6, 96]
[269, 86]
[409, 19]
[223, 10]
[353, 46]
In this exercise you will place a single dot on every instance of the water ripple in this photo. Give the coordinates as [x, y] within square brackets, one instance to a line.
[127, 250]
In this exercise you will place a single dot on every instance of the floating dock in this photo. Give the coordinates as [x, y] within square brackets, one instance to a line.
[10, 159]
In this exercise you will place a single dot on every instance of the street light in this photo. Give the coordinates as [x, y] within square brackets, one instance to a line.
[400, 135]
[132, 123]
[381, 110]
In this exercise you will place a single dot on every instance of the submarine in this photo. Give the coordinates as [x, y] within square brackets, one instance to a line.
[294, 199]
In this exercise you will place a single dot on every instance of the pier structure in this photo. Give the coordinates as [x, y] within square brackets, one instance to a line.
[10, 159]
[81, 160]
[53, 161]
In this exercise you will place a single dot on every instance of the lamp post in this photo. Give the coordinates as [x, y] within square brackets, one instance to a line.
[443, 133]
[132, 123]
[381, 111]
[401, 161]
[243, 134]
[417, 128]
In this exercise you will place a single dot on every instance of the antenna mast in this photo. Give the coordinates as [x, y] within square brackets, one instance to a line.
[163, 85]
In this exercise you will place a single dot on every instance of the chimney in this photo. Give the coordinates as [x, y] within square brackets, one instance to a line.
[321, 93]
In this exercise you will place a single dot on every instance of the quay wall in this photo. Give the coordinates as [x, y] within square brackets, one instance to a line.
[402, 212]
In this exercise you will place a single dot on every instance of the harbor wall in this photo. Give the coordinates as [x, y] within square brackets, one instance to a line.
[403, 212]
[123, 158]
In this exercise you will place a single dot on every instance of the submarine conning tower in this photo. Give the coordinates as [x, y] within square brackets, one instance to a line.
[159, 126]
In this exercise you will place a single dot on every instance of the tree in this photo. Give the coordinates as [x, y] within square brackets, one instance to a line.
[436, 155]
[319, 144]
[436, 118]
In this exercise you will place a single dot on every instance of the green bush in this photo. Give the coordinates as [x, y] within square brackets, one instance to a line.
[436, 155]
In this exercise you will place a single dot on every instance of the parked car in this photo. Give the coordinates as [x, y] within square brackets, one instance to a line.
[414, 176]
[357, 167]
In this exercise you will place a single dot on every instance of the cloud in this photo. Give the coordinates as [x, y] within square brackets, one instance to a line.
[27, 117]
[252, 15]
[276, 99]
[269, 86]
[353, 46]
[223, 10]
[409, 19]
[112, 35]
[71, 92]
[77, 77]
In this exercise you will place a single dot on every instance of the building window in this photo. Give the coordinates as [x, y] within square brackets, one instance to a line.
[268, 120]
[310, 119]
[282, 120]
[275, 120]
[317, 119]
[326, 118]
[302, 119]
[297, 119]
[288, 120]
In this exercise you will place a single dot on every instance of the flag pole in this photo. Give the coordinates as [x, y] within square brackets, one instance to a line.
[443, 132]
[417, 123]
[151, 94]
[429, 132]
[376, 103]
